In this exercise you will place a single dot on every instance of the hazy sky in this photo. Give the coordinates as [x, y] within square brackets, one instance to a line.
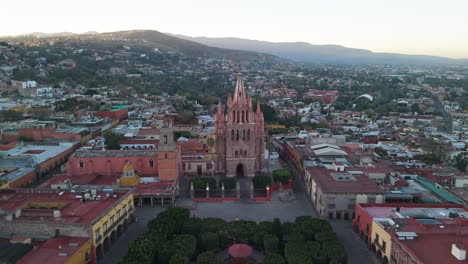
[435, 27]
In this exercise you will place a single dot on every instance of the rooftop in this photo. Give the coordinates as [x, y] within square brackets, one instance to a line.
[40, 204]
[54, 250]
[115, 153]
[343, 182]
[40, 153]
[420, 211]
[434, 248]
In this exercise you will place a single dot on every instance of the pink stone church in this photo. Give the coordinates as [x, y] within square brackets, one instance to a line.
[239, 145]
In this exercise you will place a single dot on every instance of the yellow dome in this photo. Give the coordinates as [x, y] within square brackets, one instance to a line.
[129, 182]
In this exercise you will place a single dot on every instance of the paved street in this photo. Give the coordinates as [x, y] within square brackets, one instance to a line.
[247, 210]
[119, 249]
[355, 247]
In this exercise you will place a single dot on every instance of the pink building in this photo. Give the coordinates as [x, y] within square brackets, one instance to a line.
[324, 97]
[239, 135]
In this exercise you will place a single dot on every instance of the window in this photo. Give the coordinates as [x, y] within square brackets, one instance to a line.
[165, 139]
[247, 116]
[81, 164]
[124, 209]
[190, 166]
[165, 155]
[87, 256]
[238, 117]
[331, 206]
[118, 214]
[370, 199]
[242, 116]
[112, 220]
[245, 153]
[236, 154]
[232, 135]
[377, 238]
[104, 227]
[98, 234]
[243, 132]
[151, 163]
[384, 246]
[248, 134]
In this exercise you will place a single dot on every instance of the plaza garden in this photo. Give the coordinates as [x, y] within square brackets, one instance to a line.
[174, 237]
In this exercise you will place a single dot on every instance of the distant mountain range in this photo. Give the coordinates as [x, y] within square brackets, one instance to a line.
[251, 49]
[330, 54]
[146, 39]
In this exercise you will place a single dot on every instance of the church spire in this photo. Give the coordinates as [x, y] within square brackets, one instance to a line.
[239, 94]
[258, 107]
[219, 112]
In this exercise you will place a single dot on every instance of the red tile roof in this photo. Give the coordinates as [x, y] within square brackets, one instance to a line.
[72, 210]
[327, 183]
[54, 250]
[434, 248]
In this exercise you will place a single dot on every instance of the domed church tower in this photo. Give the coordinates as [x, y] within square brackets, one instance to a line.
[129, 178]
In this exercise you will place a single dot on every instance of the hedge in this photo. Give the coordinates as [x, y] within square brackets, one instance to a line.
[229, 184]
[261, 182]
[281, 175]
[200, 183]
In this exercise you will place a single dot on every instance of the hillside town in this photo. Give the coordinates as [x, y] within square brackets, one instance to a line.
[96, 129]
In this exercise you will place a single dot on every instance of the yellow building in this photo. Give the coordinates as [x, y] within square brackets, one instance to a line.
[381, 241]
[129, 178]
[110, 225]
[97, 216]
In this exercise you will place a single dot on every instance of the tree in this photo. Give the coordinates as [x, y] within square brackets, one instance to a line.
[184, 245]
[207, 258]
[271, 243]
[179, 259]
[415, 108]
[273, 258]
[209, 241]
[436, 150]
[460, 162]
[11, 115]
[112, 140]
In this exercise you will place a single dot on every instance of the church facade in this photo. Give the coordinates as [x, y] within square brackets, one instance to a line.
[238, 134]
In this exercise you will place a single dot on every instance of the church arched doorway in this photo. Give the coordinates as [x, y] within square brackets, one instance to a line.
[240, 171]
